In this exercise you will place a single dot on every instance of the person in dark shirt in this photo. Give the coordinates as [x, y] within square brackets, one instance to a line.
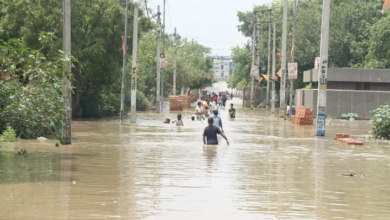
[232, 111]
[211, 132]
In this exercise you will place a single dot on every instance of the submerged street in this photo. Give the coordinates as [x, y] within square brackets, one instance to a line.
[271, 170]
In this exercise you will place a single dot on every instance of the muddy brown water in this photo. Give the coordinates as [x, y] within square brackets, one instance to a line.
[271, 170]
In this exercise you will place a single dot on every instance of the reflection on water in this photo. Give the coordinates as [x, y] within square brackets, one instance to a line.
[271, 170]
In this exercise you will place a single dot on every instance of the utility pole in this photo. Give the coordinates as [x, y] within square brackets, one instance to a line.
[158, 103]
[133, 107]
[269, 57]
[253, 55]
[273, 68]
[162, 71]
[255, 51]
[292, 56]
[66, 85]
[122, 112]
[174, 62]
[322, 77]
[282, 109]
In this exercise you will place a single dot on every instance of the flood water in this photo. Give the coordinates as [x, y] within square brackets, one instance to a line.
[271, 170]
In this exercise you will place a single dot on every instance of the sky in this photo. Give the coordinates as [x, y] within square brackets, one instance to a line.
[212, 23]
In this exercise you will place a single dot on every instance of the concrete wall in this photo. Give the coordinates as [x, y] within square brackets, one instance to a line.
[380, 86]
[346, 101]
[350, 75]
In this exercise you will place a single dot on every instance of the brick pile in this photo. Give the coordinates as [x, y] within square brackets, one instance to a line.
[193, 97]
[303, 116]
[175, 103]
[345, 138]
[185, 101]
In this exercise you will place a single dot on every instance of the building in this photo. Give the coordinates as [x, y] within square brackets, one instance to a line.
[351, 79]
[223, 67]
[348, 91]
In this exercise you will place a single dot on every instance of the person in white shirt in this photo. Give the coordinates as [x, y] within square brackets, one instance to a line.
[219, 100]
[199, 112]
[216, 106]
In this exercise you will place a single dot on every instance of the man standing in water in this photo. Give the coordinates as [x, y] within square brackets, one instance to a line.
[217, 120]
[199, 112]
[210, 133]
[232, 111]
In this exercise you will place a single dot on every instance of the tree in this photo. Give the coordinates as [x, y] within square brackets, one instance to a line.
[30, 89]
[379, 46]
[97, 26]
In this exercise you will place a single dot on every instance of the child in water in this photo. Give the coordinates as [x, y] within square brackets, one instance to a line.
[179, 122]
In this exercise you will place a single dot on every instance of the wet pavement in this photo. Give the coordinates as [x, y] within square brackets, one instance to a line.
[271, 170]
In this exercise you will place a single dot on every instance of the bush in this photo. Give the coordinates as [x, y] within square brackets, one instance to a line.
[381, 122]
[9, 135]
[110, 103]
[143, 104]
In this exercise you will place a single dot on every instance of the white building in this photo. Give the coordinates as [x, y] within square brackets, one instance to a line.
[223, 67]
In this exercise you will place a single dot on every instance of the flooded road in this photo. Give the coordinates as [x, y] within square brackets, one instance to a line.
[271, 170]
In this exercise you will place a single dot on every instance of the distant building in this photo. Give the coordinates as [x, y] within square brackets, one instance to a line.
[223, 67]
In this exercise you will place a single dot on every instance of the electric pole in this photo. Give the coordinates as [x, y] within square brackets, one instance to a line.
[122, 112]
[66, 85]
[133, 107]
[163, 52]
[158, 103]
[282, 109]
[174, 62]
[273, 68]
[322, 76]
[269, 58]
[255, 51]
[292, 56]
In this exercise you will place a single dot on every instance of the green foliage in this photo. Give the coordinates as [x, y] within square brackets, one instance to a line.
[142, 103]
[31, 89]
[349, 115]
[110, 103]
[9, 135]
[193, 66]
[381, 122]
[308, 86]
[97, 26]
[22, 152]
[352, 44]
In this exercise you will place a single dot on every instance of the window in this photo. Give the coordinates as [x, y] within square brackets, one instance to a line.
[221, 67]
[222, 74]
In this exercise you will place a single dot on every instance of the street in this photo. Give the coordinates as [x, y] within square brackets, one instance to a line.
[271, 170]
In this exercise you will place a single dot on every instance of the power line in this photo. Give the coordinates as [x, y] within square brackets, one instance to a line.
[169, 14]
[208, 7]
[151, 1]
[146, 7]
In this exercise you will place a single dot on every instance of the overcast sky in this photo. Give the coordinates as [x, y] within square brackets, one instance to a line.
[212, 23]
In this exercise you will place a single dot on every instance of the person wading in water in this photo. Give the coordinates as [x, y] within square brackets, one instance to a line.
[210, 134]
[232, 111]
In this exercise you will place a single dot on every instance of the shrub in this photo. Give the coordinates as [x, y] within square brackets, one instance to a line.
[381, 122]
[143, 104]
[110, 103]
[9, 135]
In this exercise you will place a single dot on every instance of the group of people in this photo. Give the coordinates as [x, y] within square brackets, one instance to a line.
[210, 133]
[204, 110]
[219, 99]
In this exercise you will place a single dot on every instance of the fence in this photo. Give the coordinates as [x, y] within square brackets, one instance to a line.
[339, 102]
